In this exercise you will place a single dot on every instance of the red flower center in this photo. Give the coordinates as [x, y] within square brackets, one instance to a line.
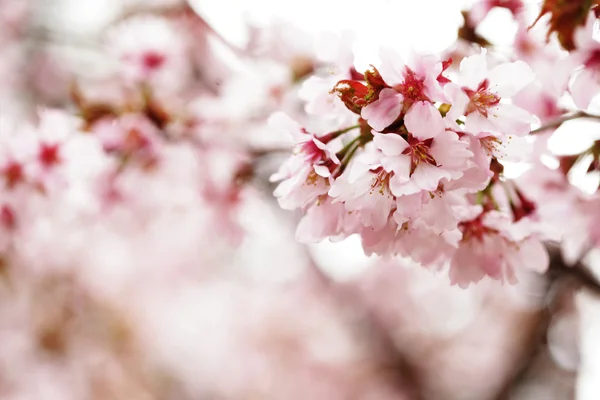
[475, 229]
[419, 152]
[153, 60]
[49, 155]
[411, 88]
[381, 180]
[481, 99]
[13, 173]
[312, 153]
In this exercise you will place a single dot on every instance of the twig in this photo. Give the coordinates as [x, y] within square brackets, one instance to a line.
[558, 122]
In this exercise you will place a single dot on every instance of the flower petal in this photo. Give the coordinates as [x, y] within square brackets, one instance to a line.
[280, 122]
[508, 79]
[392, 66]
[424, 120]
[399, 165]
[427, 177]
[585, 86]
[390, 144]
[473, 71]
[383, 112]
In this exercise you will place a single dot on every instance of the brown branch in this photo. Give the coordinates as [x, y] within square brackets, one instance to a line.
[558, 122]
[558, 272]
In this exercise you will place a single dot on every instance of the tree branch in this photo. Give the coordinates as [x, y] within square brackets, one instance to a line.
[558, 122]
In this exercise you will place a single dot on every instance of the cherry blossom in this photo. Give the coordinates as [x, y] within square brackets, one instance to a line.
[305, 175]
[189, 215]
[492, 247]
[415, 81]
[479, 92]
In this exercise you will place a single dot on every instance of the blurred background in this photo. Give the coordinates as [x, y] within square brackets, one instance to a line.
[194, 287]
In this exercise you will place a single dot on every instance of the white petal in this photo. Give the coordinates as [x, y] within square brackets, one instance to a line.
[473, 70]
[280, 122]
[392, 66]
[398, 187]
[476, 123]
[509, 78]
[322, 170]
[584, 36]
[458, 100]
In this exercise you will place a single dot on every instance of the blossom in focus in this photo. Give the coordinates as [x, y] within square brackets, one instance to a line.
[418, 80]
[426, 145]
[479, 93]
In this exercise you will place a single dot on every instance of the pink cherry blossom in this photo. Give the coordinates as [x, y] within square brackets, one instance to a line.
[305, 175]
[328, 218]
[416, 81]
[430, 154]
[480, 92]
[492, 247]
[364, 190]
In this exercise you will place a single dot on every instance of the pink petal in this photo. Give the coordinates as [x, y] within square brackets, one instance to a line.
[585, 86]
[330, 153]
[427, 176]
[511, 120]
[424, 120]
[584, 36]
[382, 113]
[533, 255]
[408, 207]
[464, 268]
[400, 187]
[390, 144]
[399, 165]
[450, 152]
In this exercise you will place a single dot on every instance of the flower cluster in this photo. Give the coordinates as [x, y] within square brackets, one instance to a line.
[416, 175]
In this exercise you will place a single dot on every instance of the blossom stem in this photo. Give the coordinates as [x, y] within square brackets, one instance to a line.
[346, 150]
[348, 156]
[332, 135]
[348, 129]
[558, 122]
